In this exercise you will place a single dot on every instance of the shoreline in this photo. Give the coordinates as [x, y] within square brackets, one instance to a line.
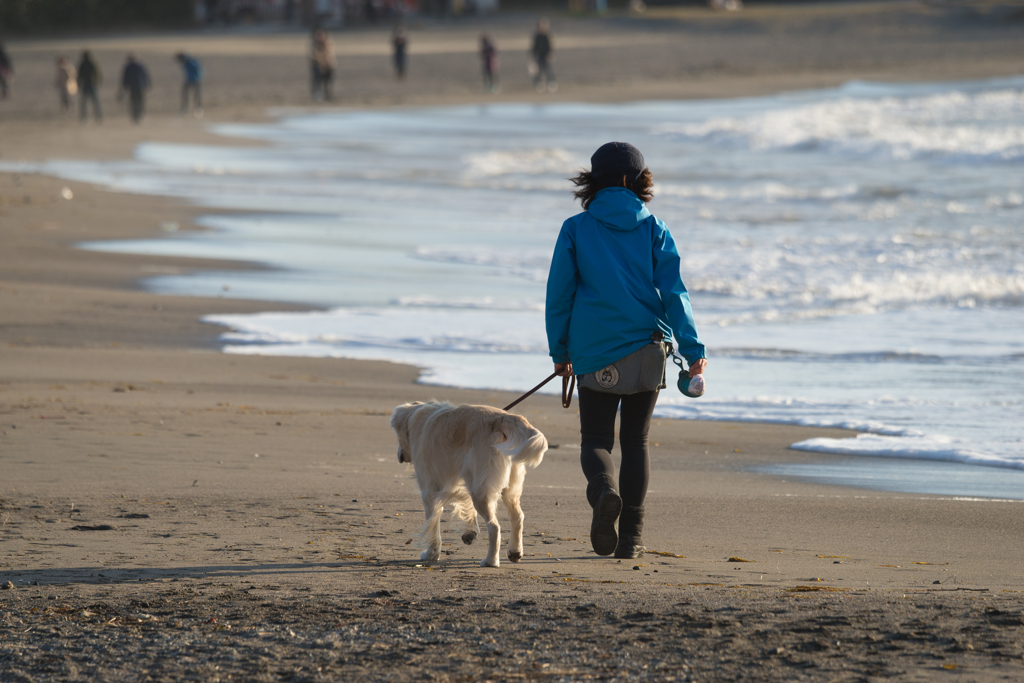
[178, 312]
[209, 339]
[173, 511]
[795, 421]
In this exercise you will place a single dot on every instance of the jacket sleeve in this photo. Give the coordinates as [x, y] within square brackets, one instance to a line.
[674, 296]
[561, 293]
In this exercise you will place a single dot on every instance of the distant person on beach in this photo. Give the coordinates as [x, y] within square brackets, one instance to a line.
[543, 74]
[193, 72]
[400, 44]
[6, 72]
[89, 78]
[489, 59]
[134, 81]
[66, 82]
[614, 293]
[322, 63]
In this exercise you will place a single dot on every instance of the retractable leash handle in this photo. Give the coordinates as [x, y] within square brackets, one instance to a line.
[566, 395]
[688, 386]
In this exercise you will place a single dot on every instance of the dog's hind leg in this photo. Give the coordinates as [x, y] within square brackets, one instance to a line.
[462, 507]
[431, 534]
[511, 495]
[487, 509]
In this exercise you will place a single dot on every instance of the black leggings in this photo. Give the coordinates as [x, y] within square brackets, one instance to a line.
[597, 438]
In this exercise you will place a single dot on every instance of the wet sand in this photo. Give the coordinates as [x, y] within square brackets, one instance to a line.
[170, 512]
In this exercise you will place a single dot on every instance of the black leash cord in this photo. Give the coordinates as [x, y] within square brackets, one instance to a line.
[568, 386]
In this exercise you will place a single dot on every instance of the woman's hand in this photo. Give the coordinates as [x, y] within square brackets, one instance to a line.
[563, 369]
[698, 367]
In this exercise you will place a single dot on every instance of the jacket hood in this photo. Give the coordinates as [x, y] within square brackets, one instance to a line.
[619, 209]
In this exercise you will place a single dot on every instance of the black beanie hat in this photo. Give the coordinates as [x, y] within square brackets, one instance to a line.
[613, 160]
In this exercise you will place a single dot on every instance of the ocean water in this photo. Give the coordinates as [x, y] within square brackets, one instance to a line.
[855, 256]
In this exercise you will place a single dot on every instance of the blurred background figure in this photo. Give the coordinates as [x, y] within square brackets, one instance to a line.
[66, 82]
[544, 75]
[6, 72]
[89, 78]
[193, 72]
[322, 63]
[489, 59]
[400, 43]
[134, 80]
[211, 12]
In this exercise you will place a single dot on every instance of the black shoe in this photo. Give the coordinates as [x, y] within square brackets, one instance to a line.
[607, 504]
[631, 527]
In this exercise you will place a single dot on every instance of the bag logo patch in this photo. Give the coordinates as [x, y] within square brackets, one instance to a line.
[608, 377]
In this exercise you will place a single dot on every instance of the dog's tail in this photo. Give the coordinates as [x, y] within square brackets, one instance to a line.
[519, 440]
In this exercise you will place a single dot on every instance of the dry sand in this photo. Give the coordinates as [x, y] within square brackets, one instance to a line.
[168, 512]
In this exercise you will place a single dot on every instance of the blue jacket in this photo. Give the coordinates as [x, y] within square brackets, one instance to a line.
[614, 280]
[192, 68]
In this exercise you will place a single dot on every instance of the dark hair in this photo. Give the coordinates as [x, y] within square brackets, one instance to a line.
[588, 186]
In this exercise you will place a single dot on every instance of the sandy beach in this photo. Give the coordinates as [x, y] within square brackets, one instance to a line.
[169, 512]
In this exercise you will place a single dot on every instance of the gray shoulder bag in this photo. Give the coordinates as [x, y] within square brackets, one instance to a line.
[642, 370]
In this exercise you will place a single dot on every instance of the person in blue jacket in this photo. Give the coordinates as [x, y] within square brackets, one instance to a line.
[615, 280]
[193, 72]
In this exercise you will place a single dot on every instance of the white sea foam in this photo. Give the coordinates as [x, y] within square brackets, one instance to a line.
[758, 192]
[487, 302]
[530, 161]
[917, 446]
[957, 124]
[450, 329]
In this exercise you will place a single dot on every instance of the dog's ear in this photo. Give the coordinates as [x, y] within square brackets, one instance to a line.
[400, 415]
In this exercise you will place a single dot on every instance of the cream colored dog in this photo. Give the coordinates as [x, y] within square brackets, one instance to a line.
[466, 456]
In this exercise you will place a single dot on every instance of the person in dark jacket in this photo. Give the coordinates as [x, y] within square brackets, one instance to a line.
[489, 59]
[541, 52]
[6, 72]
[134, 80]
[614, 286]
[193, 79]
[89, 78]
[400, 44]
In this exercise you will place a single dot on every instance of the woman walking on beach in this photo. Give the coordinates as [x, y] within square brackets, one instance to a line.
[614, 293]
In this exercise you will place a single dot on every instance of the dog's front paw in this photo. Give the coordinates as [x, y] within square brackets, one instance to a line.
[514, 557]
[430, 555]
[488, 562]
[469, 537]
